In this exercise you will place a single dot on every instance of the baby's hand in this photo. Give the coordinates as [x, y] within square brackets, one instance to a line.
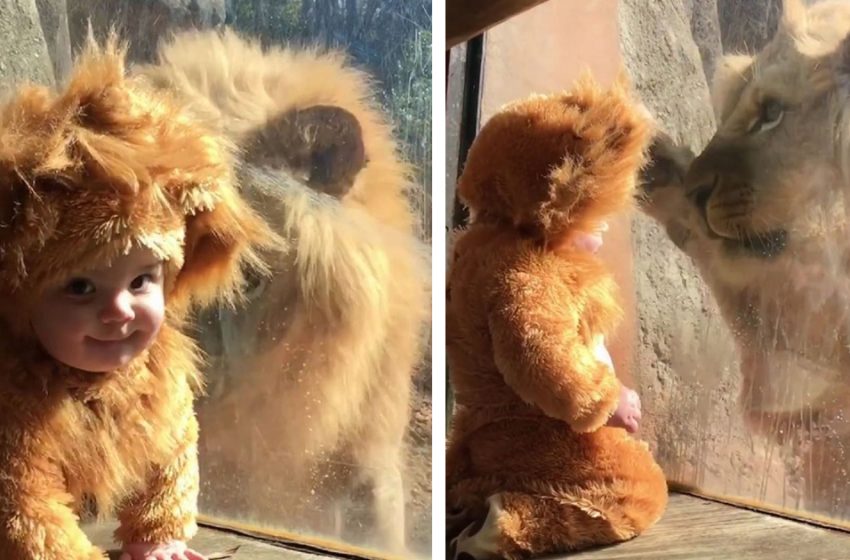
[589, 241]
[627, 414]
[175, 550]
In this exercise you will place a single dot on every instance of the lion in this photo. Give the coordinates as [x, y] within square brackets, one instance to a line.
[763, 213]
[310, 422]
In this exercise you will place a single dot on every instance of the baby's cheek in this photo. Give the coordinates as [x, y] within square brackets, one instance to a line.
[152, 312]
[61, 328]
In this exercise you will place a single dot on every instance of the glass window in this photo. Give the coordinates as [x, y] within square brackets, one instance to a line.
[316, 425]
[742, 347]
[736, 330]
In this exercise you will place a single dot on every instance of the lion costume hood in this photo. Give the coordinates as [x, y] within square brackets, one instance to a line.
[592, 178]
[105, 165]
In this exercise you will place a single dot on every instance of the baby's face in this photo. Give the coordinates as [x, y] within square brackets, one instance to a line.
[100, 319]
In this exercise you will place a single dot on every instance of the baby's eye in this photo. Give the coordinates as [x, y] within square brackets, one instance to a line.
[141, 282]
[79, 287]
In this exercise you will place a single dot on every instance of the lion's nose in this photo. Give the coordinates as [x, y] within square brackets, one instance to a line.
[700, 197]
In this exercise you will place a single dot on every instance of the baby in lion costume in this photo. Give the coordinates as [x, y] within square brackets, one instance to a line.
[539, 460]
[118, 215]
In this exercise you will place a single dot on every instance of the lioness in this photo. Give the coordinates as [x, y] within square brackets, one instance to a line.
[763, 213]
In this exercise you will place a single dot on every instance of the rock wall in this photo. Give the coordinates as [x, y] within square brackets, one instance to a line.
[685, 358]
[24, 54]
[38, 37]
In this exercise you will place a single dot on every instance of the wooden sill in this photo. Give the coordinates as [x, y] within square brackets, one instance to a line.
[698, 529]
[207, 541]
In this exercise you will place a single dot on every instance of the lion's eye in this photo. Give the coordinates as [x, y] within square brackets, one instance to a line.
[770, 115]
[254, 284]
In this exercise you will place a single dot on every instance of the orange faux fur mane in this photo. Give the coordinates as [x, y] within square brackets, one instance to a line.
[568, 179]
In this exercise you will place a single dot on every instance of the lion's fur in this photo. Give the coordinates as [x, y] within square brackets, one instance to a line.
[240, 86]
[87, 172]
[788, 305]
[327, 374]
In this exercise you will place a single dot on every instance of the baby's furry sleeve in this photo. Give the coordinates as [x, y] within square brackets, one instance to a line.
[36, 518]
[535, 321]
[166, 509]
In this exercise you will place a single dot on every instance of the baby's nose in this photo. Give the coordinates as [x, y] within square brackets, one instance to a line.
[118, 308]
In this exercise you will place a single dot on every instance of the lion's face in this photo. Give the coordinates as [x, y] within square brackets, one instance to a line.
[769, 183]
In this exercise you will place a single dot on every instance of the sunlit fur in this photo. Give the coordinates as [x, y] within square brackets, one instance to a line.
[523, 310]
[239, 87]
[323, 356]
[788, 307]
[86, 173]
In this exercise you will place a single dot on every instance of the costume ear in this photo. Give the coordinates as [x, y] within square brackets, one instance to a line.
[221, 242]
[322, 145]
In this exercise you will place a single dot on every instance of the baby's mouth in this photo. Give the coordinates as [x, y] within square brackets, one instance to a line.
[110, 339]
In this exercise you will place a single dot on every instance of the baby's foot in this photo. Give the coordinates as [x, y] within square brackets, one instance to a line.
[175, 550]
[627, 414]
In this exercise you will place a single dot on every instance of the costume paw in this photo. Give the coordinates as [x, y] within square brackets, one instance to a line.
[627, 414]
[480, 540]
[175, 550]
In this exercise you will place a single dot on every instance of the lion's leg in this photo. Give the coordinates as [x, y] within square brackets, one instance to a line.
[379, 471]
[815, 448]
[826, 466]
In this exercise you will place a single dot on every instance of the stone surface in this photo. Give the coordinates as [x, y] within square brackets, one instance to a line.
[23, 50]
[705, 30]
[54, 23]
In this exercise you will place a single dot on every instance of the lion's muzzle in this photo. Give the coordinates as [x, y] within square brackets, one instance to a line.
[719, 184]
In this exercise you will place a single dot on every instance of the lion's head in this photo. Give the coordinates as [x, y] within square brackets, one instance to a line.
[774, 179]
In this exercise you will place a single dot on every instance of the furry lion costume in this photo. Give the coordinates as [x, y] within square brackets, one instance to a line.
[104, 165]
[324, 352]
[532, 468]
